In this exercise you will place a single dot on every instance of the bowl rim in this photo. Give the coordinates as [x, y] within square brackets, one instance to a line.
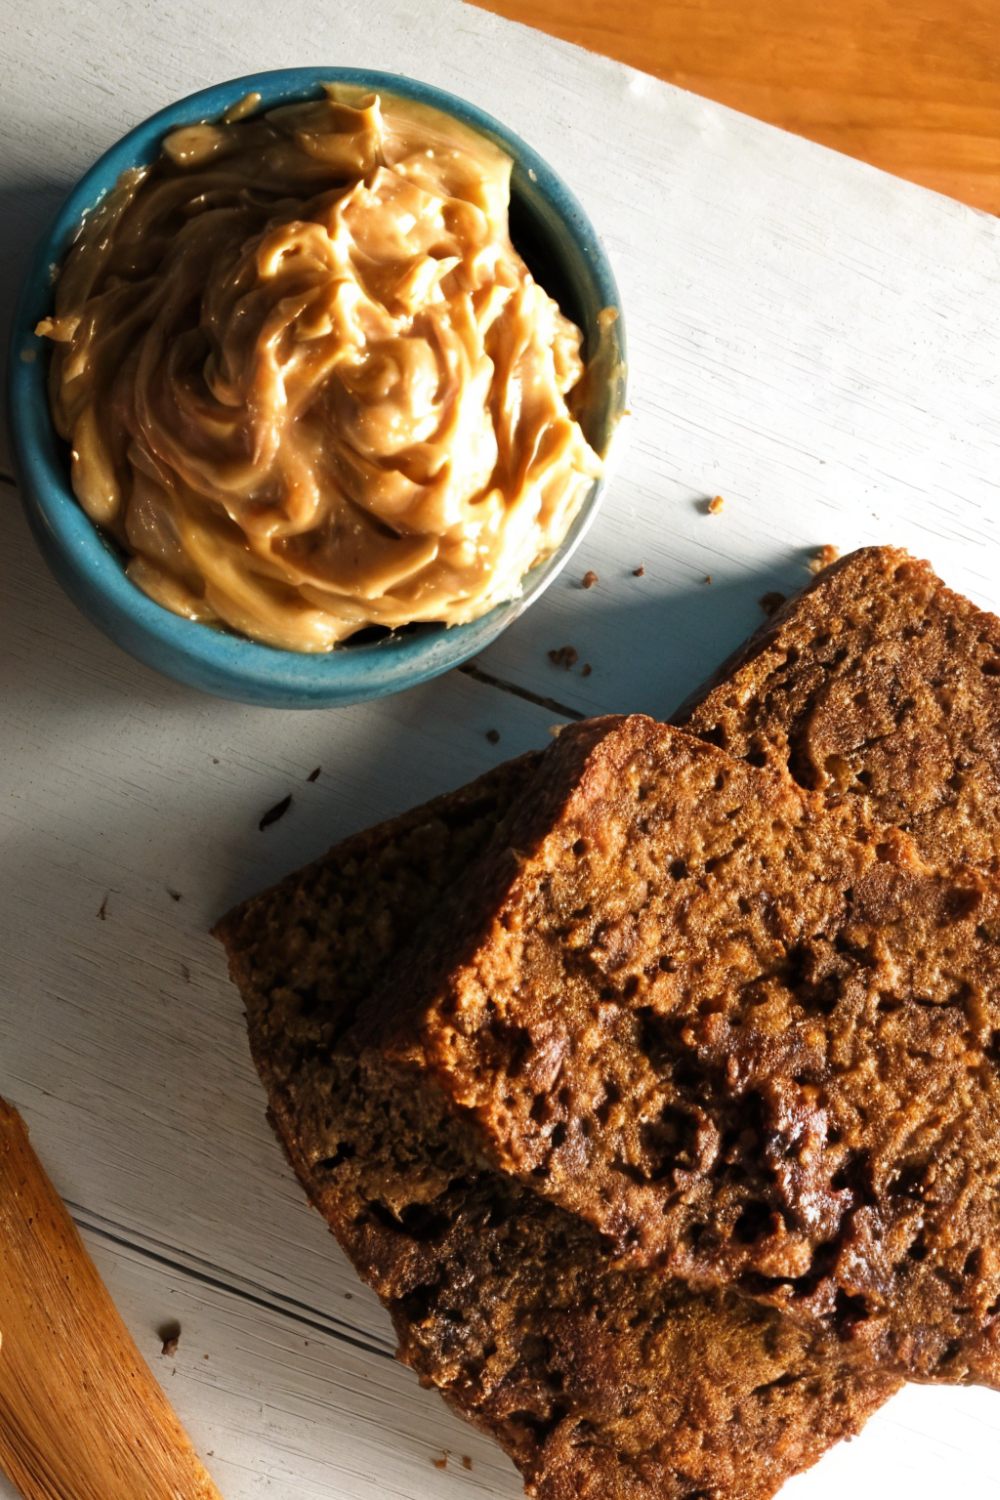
[90, 568]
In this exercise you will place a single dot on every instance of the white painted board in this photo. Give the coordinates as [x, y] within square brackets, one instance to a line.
[809, 338]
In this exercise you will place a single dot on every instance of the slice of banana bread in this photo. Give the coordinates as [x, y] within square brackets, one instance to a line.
[601, 1384]
[749, 1037]
[876, 681]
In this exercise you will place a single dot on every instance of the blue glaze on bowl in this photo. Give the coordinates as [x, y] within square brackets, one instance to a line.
[557, 240]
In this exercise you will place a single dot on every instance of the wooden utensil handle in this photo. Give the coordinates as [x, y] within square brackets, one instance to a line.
[81, 1414]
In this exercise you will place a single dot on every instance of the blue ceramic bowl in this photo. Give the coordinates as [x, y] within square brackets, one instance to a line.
[555, 237]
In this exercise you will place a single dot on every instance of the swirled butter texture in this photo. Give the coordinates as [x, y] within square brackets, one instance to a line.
[308, 384]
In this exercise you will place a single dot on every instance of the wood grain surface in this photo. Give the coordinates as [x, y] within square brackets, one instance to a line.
[81, 1415]
[809, 338]
[911, 86]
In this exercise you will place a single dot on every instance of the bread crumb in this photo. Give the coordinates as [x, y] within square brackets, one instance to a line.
[442, 1462]
[169, 1334]
[586, 669]
[708, 578]
[716, 506]
[824, 557]
[103, 913]
[771, 602]
[274, 813]
[174, 895]
[565, 656]
[466, 1461]
[314, 774]
[640, 571]
[493, 735]
[589, 579]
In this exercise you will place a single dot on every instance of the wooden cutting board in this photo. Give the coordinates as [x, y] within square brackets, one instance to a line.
[809, 338]
[909, 88]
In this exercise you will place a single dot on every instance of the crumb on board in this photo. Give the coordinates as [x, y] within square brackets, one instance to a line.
[716, 505]
[708, 578]
[442, 1462]
[103, 913]
[174, 895]
[349, 1296]
[493, 735]
[640, 571]
[564, 656]
[274, 813]
[215, 760]
[466, 1461]
[589, 579]
[772, 601]
[586, 669]
[824, 557]
[185, 974]
[169, 1334]
[313, 775]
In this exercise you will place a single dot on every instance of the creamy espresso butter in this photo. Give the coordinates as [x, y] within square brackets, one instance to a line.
[308, 383]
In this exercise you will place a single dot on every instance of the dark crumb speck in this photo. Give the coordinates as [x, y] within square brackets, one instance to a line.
[169, 1334]
[349, 1296]
[771, 602]
[314, 774]
[640, 571]
[565, 656]
[586, 669]
[589, 579]
[708, 578]
[185, 974]
[274, 813]
[174, 895]
[442, 1462]
[466, 1461]
[103, 913]
[493, 735]
[215, 760]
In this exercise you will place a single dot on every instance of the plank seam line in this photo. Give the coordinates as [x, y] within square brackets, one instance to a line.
[479, 675]
[271, 1302]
